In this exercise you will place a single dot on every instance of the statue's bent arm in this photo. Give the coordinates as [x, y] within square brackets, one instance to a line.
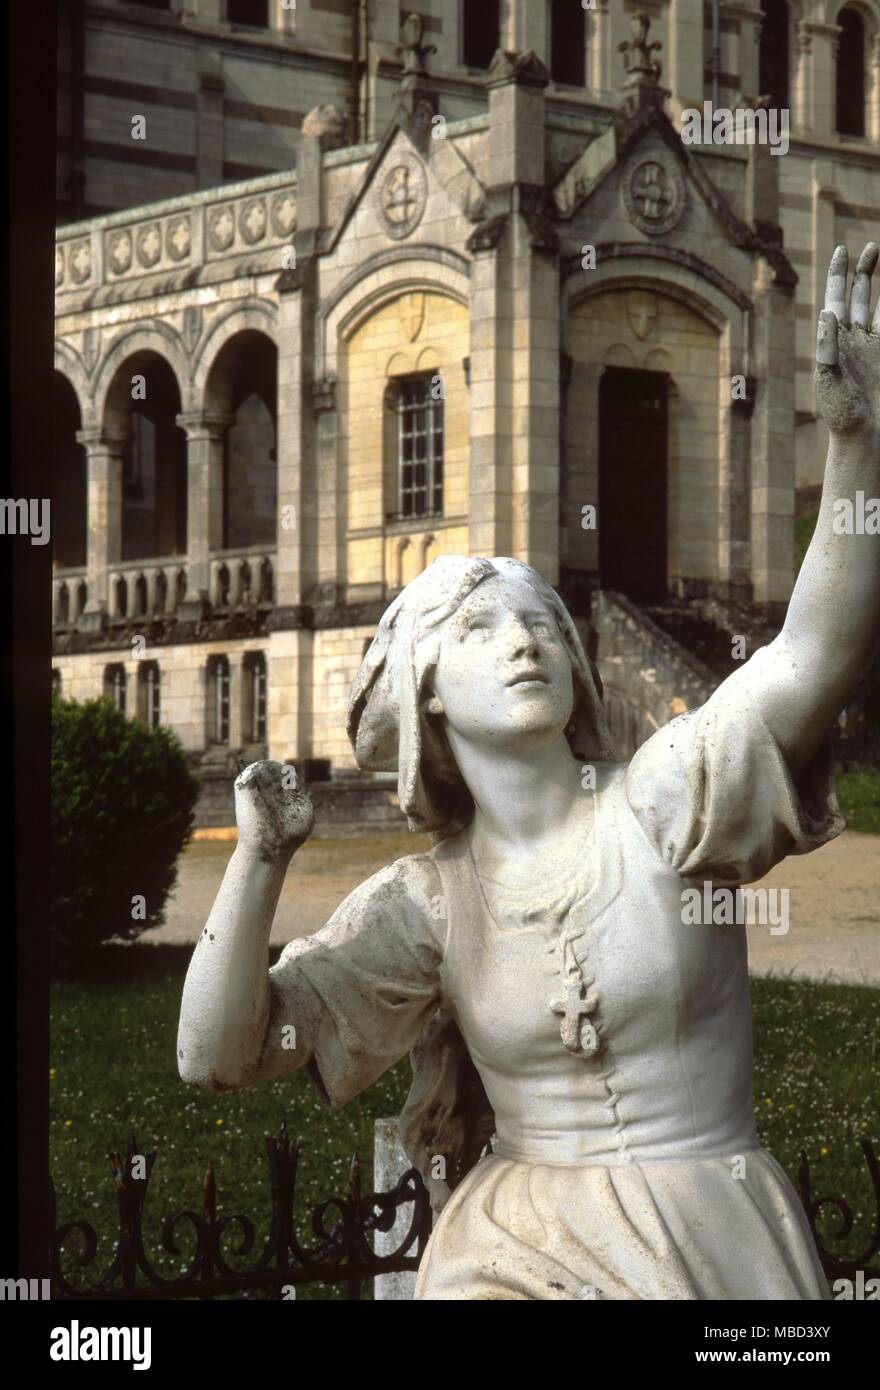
[348, 1001]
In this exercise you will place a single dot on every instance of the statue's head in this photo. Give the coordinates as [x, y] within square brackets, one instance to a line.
[484, 650]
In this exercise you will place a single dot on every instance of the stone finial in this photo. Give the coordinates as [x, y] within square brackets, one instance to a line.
[413, 51]
[641, 69]
[523, 69]
[416, 103]
[327, 125]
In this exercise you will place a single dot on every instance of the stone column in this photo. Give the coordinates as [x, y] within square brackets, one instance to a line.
[104, 505]
[236, 672]
[823, 240]
[296, 569]
[749, 18]
[686, 59]
[515, 343]
[524, 28]
[282, 18]
[773, 431]
[290, 693]
[490, 395]
[329, 556]
[734, 471]
[816, 81]
[204, 506]
[527, 360]
[295, 432]
[872, 89]
[599, 52]
[209, 124]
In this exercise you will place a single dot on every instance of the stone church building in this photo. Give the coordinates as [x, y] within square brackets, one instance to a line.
[341, 289]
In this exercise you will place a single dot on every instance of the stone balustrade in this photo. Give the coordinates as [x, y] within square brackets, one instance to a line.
[177, 235]
[242, 578]
[146, 588]
[69, 595]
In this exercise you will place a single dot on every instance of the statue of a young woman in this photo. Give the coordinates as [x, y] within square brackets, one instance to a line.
[605, 1042]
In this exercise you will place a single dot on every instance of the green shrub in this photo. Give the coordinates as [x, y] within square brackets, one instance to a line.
[122, 802]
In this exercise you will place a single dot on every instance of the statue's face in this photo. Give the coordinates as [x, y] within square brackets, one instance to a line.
[503, 673]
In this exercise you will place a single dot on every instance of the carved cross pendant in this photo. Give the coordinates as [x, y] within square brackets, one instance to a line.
[576, 1004]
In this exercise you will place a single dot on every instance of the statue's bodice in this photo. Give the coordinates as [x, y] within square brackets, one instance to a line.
[604, 1028]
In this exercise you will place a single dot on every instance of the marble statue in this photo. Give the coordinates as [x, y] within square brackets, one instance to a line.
[535, 962]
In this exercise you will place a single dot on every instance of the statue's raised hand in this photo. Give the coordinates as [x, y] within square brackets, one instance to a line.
[273, 813]
[848, 349]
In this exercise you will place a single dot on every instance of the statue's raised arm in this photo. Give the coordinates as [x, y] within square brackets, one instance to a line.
[833, 620]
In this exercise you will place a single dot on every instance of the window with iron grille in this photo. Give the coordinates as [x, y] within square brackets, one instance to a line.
[151, 694]
[114, 684]
[219, 697]
[258, 688]
[420, 445]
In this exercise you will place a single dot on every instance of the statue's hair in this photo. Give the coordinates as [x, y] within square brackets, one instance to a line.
[388, 725]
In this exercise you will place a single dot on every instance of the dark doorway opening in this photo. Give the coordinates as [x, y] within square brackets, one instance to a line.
[633, 454]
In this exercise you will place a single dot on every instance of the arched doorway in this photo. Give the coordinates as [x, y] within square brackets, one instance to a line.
[633, 467]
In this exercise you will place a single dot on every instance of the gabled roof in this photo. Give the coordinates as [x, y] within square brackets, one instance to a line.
[632, 123]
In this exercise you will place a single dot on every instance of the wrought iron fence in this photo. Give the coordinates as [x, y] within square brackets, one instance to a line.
[844, 1266]
[342, 1253]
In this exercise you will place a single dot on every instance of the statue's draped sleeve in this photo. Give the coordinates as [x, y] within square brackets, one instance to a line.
[360, 991]
[714, 793]
[365, 990]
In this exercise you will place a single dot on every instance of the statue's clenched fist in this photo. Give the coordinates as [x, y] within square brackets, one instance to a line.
[273, 813]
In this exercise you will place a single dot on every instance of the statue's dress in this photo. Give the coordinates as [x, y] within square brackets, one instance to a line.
[612, 1034]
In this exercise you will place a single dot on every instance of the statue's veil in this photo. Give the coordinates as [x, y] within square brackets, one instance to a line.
[447, 1112]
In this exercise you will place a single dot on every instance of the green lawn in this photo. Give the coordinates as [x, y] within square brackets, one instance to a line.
[113, 1069]
[859, 797]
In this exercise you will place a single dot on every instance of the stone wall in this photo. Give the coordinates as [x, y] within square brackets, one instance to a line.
[648, 677]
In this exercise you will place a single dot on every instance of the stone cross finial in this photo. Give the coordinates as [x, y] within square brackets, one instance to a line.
[641, 69]
[413, 50]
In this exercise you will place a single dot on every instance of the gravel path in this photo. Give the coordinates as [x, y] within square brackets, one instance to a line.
[833, 905]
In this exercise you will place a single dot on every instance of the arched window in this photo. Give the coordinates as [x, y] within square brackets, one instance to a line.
[148, 693]
[481, 32]
[568, 40]
[218, 699]
[115, 685]
[850, 74]
[254, 712]
[773, 60]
